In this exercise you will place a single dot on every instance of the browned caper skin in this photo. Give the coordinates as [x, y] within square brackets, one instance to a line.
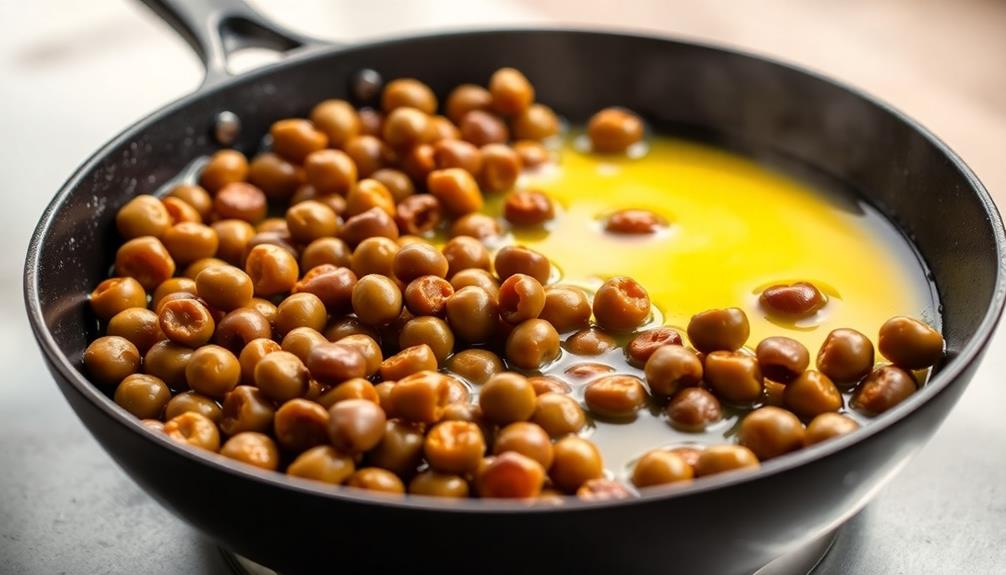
[566, 308]
[501, 167]
[408, 361]
[186, 321]
[274, 175]
[167, 360]
[273, 270]
[475, 365]
[301, 341]
[366, 194]
[464, 98]
[828, 425]
[333, 363]
[548, 384]
[613, 130]
[241, 201]
[337, 119]
[694, 409]
[528, 439]
[482, 128]
[472, 313]
[558, 414]
[377, 300]
[660, 467]
[371, 223]
[591, 341]
[782, 359]
[193, 429]
[521, 297]
[332, 251]
[331, 284]
[587, 370]
[356, 388]
[733, 376]
[430, 331]
[457, 154]
[454, 446]
[435, 484]
[310, 220]
[146, 260]
[252, 448]
[575, 462]
[634, 222]
[800, 299]
[812, 394]
[511, 91]
[295, 139]
[143, 215]
[301, 424]
[213, 371]
[181, 211]
[770, 432]
[478, 278]
[110, 359]
[224, 287]
[408, 92]
[722, 458]
[532, 154]
[397, 182]
[642, 346]
[190, 241]
[510, 475]
[846, 356]
[195, 268]
[322, 463]
[370, 154]
[528, 208]
[240, 327]
[884, 388]
[143, 395]
[419, 259]
[536, 122]
[476, 225]
[400, 449]
[246, 408]
[507, 397]
[615, 396]
[300, 310]
[195, 402]
[532, 344]
[224, 167]
[421, 397]
[171, 286]
[377, 479]
[719, 330]
[909, 343]
[456, 189]
[512, 260]
[418, 214]
[356, 425]
[621, 304]
[428, 295]
[282, 376]
[671, 368]
[137, 324]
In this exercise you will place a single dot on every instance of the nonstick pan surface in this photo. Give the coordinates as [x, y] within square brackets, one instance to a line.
[729, 524]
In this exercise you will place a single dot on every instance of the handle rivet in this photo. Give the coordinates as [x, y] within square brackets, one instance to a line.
[226, 128]
[365, 85]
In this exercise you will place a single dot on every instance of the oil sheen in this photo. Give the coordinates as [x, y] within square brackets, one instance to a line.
[736, 227]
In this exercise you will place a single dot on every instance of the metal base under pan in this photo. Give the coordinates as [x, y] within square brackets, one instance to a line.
[802, 561]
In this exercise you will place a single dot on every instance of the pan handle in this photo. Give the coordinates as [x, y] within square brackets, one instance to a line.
[217, 28]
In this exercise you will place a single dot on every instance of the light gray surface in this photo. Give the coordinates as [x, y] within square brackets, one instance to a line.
[72, 75]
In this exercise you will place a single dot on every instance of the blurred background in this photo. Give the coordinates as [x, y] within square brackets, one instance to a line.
[73, 74]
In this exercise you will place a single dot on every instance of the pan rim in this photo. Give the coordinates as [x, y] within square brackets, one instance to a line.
[949, 373]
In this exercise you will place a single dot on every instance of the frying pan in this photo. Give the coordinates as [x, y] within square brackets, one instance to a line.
[727, 524]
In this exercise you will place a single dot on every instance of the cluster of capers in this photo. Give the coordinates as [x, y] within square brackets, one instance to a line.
[337, 342]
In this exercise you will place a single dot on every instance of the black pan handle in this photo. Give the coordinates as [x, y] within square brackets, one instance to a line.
[217, 28]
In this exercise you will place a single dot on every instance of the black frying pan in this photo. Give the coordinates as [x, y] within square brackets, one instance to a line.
[727, 524]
